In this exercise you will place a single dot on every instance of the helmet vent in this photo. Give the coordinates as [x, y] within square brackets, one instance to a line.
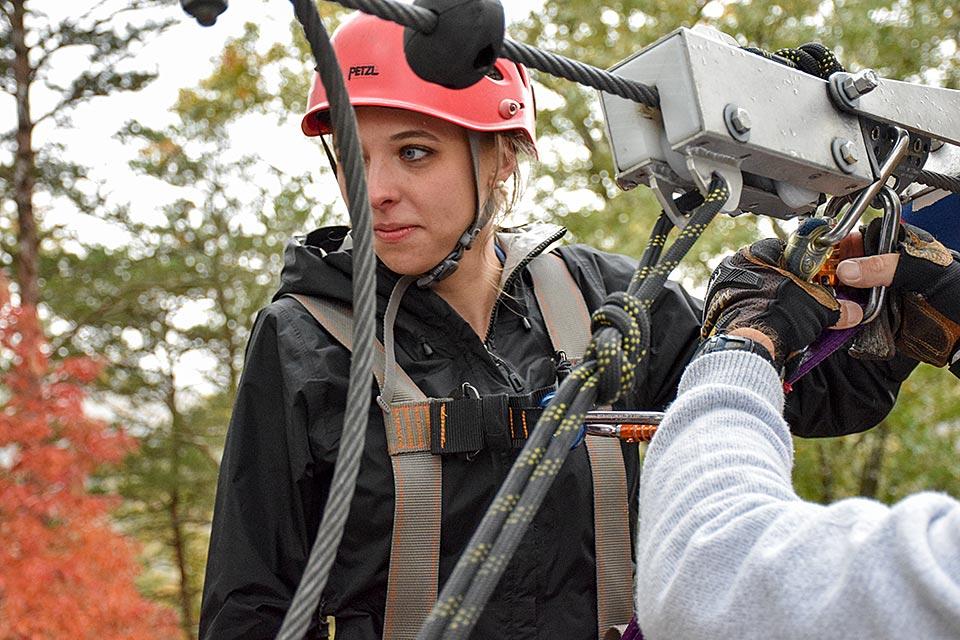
[494, 74]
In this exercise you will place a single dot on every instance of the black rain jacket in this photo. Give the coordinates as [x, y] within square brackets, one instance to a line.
[283, 438]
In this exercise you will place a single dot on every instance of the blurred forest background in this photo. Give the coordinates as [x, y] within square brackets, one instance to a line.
[108, 463]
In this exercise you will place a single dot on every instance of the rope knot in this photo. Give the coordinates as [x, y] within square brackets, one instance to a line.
[618, 327]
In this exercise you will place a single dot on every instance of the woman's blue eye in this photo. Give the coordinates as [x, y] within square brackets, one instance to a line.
[413, 153]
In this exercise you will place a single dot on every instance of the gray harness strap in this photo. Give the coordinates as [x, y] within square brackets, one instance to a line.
[568, 323]
[412, 583]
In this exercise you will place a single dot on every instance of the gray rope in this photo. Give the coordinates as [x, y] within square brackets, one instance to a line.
[581, 73]
[939, 181]
[425, 21]
[324, 550]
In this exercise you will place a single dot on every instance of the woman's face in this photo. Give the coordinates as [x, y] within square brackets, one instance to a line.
[421, 185]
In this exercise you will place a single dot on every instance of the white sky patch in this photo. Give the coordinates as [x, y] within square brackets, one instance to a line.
[191, 372]
[192, 313]
[713, 9]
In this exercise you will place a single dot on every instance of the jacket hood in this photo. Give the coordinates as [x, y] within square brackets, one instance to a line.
[321, 263]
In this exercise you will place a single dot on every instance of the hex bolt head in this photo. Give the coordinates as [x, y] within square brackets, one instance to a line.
[847, 152]
[860, 83]
[844, 154]
[738, 122]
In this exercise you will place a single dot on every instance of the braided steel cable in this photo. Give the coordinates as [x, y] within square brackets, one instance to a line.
[335, 512]
[581, 73]
[621, 336]
[425, 21]
[412, 16]
[938, 180]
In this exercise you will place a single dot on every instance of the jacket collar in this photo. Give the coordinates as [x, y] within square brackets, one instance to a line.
[523, 244]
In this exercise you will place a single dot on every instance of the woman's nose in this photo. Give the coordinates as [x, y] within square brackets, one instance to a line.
[382, 185]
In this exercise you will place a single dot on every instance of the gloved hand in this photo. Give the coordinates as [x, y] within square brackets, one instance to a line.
[751, 290]
[925, 276]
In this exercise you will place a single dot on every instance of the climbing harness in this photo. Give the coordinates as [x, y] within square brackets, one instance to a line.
[822, 143]
[420, 429]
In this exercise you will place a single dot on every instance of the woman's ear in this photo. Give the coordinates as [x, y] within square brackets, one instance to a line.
[507, 163]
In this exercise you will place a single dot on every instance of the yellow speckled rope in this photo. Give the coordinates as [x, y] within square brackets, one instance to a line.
[812, 58]
[620, 340]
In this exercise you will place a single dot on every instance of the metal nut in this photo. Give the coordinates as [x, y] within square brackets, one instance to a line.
[860, 83]
[844, 154]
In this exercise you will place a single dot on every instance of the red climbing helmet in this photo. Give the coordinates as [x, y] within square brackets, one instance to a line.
[370, 51]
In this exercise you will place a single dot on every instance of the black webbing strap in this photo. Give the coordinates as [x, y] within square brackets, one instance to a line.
[500, 422]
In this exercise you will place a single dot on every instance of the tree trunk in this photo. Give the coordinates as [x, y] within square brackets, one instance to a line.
[180, 551]
[23, 167]
[873, 465]
[176, 523]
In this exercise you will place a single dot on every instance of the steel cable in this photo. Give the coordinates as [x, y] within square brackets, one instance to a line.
[938, 180]
[324, 549]
[425, 21]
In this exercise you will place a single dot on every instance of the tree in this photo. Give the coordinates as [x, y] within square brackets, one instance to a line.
[66, 572]
[31, 44]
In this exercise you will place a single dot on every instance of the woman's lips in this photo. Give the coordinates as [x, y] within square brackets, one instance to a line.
[393, 234]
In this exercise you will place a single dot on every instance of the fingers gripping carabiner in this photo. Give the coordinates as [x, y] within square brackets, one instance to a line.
[809, 251]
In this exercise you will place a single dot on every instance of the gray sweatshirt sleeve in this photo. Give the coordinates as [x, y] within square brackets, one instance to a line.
[726, 549]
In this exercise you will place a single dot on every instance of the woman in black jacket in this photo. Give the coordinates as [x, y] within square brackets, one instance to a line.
[436, 162]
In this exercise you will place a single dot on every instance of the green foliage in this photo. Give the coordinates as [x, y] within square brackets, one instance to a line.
[914, 449]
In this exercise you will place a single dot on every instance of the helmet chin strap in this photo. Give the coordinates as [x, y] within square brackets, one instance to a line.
[481, 216]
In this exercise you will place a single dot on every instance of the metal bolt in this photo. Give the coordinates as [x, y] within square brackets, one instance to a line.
[860, 83]
[740, 120]
[844, 154]
[846, 150]
[936, 145]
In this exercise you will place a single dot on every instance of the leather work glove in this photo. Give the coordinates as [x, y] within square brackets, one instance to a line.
[924, 278]
[751, 289]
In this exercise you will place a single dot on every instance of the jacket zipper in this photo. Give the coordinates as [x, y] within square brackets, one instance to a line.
[516, 383]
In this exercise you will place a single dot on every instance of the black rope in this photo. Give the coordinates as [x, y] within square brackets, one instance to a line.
[938, 180]
[425, 21]
[324, 550]
[621, 336]
[812, 58]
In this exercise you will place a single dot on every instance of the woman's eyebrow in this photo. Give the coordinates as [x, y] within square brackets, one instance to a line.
[414, 133]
